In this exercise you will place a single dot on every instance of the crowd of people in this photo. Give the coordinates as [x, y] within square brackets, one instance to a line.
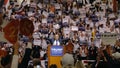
[59, 22]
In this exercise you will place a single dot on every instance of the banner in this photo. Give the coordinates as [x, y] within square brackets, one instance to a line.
[74, 28]
[56, 51]
[109, 38]
[26, 27]
[11, 31]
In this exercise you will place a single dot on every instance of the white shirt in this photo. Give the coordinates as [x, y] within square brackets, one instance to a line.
[98, 43]
[37, 42]
[33, 5]
[29, 45]
[101, 30]
[83, 52]
[111, 22]
[73, 22]
[66, 32]
[9, 13]
[36, 26]
[103, 21]
[36, 35]
[82, 12]
[44, 44]
[91, 24]
[107, 29]
[30, 13]
[51, 36]
[44, 20]
[65, 20]
[103, 6]
[57, 6]
[39, 5]
[76, 46]
[82, 38]
[111, 15]
[56, 43]
[102, 14]
[42, 53]
[45, 13]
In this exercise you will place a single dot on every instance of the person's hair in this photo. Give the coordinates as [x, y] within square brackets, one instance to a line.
[69, 47]
[53, 66]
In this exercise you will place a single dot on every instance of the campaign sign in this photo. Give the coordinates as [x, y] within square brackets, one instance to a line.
[56, 51]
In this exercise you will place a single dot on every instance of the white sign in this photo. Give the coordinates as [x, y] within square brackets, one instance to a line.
[37, 42]
[36, 35]
[74, 28]
[30, 13]
[44, 21]
[109, 38]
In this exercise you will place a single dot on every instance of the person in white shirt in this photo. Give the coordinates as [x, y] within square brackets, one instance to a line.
[66, 32]
[102, 14]
[83, 52]
[101, 28]
[65, 19]
[37, 42]
[91, 23]
[42, 60]
[108, 28]
[44, 43]
[103, 21]
[36, 25]
[76, 46]
[82, 37]
[56, 41]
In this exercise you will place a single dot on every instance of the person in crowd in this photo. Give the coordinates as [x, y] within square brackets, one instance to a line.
[25, 50]
[5, 55]
[26, 58]
[109, 58]
[93, 51]
[57, 41]
[68, 59]
[42, 58]
[44, 44]
[117, 46]
[35, 52]
[83, 52]
[51, 35]
[82, 37]
[75, 43]
[99, 64]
